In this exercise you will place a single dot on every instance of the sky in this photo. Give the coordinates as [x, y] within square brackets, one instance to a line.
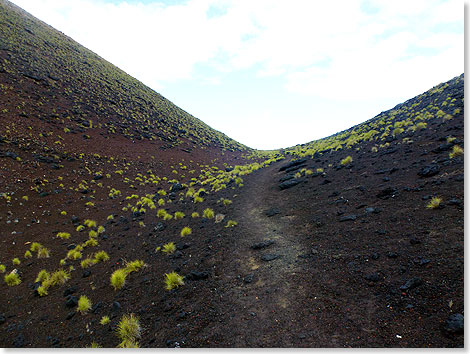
[272, 73]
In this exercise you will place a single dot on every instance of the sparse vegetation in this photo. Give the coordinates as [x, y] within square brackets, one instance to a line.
[434, 203]
[185, 231]
[173, 280]
[346, 161]
[84, 305]
[128, 331]
[169, 248]
[118, 278]
[456, 151]
[12, 278]
[208, 213]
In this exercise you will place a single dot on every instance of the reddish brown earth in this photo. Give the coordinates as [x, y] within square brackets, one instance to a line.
[352, 257]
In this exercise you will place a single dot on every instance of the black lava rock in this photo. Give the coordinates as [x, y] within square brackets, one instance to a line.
[293, 163]
[289, 184]
[272, 211]
[429, 171]
[373, 277]
[454, 324]
[261, 245]
[195, 275]
[411, 284]
[249, 278]
[387, 192]
[116, 306]
[19, 341]
[71, 301]
[351, 217]
[269, 257]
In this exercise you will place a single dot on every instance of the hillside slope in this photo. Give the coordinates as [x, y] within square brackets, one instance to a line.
[325, 244]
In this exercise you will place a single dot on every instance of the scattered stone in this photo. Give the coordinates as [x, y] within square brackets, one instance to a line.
[54, 341]
[261, 245]
[292, 163]
[160, 227]
[195, 275]
[269, 257]
[351, 217]
[249, 278]
[325, 181]
[18, 342]
[70, 291]
[86, 273]
[414, 241]
[392, 254]
[272, 211]
[71, 301]
[429, 171]
[457, 202]
[411, 284]
[387, 192]
[97, 307]
[116, 306]
[289, 184]
[372, 210]
[455, 324]
[70, 315]
[443, 147]
[373, 277]
[71, 246]
[177, 254]
[2, 318]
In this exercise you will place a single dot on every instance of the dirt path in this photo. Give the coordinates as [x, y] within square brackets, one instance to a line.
[261, 300]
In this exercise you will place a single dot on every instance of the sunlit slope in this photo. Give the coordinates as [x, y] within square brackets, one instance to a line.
[50, 82]
[444, 101]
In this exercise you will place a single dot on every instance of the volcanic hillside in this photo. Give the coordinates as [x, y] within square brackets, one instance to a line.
[126, 221]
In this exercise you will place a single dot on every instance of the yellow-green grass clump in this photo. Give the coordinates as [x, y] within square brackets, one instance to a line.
[346, 161]
[28, 254]
[231, 223]
[434, 203]
[118, 278]
[185, 231]
[63, 235]
[104, 320]
[16, 261]
[456, 151]
[208, 213]
[12, 278]
[128, 331]
[101, 256]
[173, 280]
[134, 266]
[169, 248]
[84, 304]
[2, 268]
[195, 214]
[179, 215]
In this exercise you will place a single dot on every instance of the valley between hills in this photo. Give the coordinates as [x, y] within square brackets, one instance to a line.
[127, 222]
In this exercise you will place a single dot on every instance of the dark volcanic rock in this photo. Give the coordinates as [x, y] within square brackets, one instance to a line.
[289, 184]
[272, 211]
[411, 284]
[249, 278]
[374, 277]
[429, 171]
[387, 192]
[454, 324]
[286, 178]
[269, 257]
[351, 217]
[443, 147]
[176, 187]
[19, 341]
[292, 164]
[71, 301]
[261, 245]
[195, 275]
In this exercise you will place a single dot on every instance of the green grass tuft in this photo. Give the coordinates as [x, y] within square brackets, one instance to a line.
[84, 304]
[173, 280]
